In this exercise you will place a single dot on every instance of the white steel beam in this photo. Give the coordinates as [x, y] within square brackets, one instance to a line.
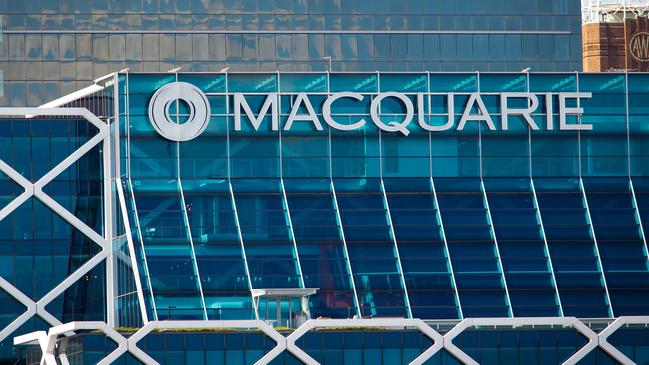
[210, 324]
[614, 326]
[20, 180]
[515, 322]
[348, 262]
[109, 209]
[599, 257]
[495, 240]
[396, 250]
[296, 253]
[141, 241]
[546, 246]
[191, 243]
[244, 255]
[341, 230]
[36, 190]
[131, 249]
[289, 220]
[47, 340]
[243, 248]
[438, 213]
[398, 323]
[636, 212]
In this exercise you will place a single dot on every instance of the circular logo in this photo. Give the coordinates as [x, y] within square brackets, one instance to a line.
[639, 46]
[198, 105]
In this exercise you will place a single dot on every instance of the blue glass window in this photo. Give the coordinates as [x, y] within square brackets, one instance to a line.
[266, 234]
[641, 190]
[620, 242]
[553, 154]
[638, 86]
[323, 257]
[422, 250]
[604, 149]
[522, 247]
[219, 253]
[472, 248]
[574, 255]
[132, 215]
[168, 250]
[372, 251]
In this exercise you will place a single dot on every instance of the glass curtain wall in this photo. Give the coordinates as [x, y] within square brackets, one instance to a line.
[51, 48]
[436, 225]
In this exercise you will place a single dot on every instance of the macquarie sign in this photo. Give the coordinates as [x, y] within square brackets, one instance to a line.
[303, 110]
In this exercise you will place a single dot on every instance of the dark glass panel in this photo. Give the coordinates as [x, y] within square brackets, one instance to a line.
[620, 242]
[422, 249]
[574, 255]
[372, 250]
[321, 248]
[266, 234]
[472, 249]
[522, 248]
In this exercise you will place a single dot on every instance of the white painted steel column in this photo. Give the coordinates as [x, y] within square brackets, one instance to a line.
[631, 188]
[396, 251]
[489, 218]
[386, 206]
[131, 249]
[184, 209]
[290, 226]
[446, 250]
[537, 208]
[296, 253]
[109, 181]
[191, 245]
[346, 251]
[546, 246]
[341, 230]
[599, 258]
[495, 239]
[136, 215]
[244, 256]
[243, 248]
[639, 218]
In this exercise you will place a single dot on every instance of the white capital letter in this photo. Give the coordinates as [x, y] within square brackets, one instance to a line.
[483, 114]
[392, 126]
[564, 111]
[525, 112]
[436, 128]
[309, 117]
[549, 110]
[326, 112]
[269, 103]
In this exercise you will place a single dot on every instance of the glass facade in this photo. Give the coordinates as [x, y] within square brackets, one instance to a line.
[42, 246]
[454, 218]
[435, 225]
[50, 48]
[370, 346]
[515, 223]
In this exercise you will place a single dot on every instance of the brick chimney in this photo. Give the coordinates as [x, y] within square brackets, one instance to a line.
[621, 45]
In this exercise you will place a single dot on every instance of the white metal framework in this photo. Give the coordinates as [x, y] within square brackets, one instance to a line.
[612, 11]
[48, 340]
[600, 265]
[35, 189]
